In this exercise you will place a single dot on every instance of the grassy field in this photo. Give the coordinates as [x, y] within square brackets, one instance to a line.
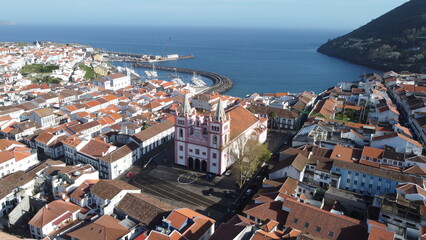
[90, 73]
[39, 68]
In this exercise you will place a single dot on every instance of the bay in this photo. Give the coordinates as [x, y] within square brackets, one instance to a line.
[257, 60]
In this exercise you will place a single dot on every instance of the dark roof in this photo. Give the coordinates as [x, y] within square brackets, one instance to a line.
[107, 189]
[298, 161]
[152, 131]
[282, 113]
[119, 153]
[232, 228]
[390, 153]
[321, 222]
[149, 211]
[17, 179]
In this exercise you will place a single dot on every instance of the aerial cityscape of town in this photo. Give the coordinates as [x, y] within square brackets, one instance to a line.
[97, 144]
[89, 152]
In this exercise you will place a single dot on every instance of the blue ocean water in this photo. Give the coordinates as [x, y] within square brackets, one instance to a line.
[257, 60]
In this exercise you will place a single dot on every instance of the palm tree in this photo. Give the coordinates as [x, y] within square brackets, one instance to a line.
[272, 115]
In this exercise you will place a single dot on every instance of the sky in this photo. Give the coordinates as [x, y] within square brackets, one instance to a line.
[320, 14]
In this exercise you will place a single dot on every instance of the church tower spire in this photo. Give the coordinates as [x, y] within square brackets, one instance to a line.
[186, 108]
[219, 115]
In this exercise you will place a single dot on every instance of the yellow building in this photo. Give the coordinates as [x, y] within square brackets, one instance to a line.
[98, 57]
[101, 70]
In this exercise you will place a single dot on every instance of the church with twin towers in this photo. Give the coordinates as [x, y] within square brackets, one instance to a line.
[210, 142]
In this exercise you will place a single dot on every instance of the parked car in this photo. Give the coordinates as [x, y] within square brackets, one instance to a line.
[208, 177]
[130, 174]
[227, 173]
[230, 193]
[210, 191]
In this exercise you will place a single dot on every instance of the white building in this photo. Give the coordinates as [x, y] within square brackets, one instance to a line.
[113, 81]
[107, 193]
[43, 117]
[52, 217]
[117, 162]
[401, 143]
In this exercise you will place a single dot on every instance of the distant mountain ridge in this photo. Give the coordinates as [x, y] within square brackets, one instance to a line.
[394, 41]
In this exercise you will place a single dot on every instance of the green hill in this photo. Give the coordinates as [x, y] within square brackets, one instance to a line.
[394, 41]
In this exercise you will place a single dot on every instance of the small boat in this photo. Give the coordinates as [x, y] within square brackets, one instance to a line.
[151, 74]
[196, 80]
[176, 79]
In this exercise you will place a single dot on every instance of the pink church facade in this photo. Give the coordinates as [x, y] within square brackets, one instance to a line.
[207, 144]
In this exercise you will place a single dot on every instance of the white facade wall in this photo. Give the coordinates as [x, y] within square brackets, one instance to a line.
[400, 145]
[289, 171]
[122, 82]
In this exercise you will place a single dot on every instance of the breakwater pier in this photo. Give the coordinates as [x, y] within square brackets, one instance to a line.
[220, 83]
[134, 58]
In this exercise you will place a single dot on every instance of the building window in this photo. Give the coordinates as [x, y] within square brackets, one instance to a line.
[330, 234]
[214, 139]
[370, 185]
[197, 151]
[214, 155]
[180, 133]
[306, 224]
[214, 164]
[355, 183]
[378, 188]
[318, 229]
[348, 181]
[295, 220]
[180, 148]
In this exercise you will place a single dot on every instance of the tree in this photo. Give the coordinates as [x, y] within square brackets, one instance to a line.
[248, 156]
[272, 115]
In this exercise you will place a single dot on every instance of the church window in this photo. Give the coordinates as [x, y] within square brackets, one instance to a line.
[214, 139]
[180, 133]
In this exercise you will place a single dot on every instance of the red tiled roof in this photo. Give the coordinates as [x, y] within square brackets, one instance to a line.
[372, 152]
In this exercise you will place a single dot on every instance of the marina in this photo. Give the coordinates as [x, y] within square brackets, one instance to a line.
[220, 83]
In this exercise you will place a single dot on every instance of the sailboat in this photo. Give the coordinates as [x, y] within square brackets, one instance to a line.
[153, 73]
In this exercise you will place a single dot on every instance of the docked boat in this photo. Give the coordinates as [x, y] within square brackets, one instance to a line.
[176, 79]
[151, 74]
[197, 81]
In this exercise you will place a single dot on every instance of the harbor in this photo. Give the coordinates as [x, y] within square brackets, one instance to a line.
[221, 83]
[147, 58]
